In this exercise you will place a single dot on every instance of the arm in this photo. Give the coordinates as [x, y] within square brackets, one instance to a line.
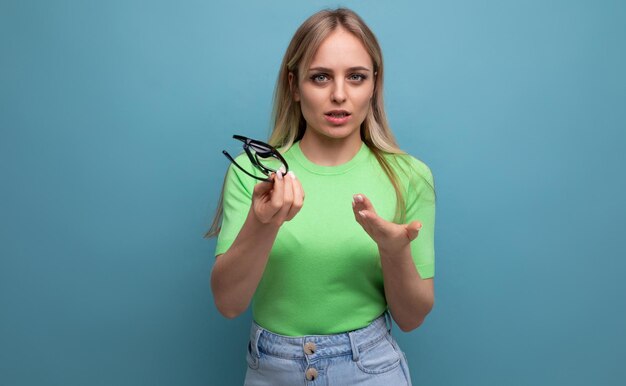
[409, 296]
[237, 272]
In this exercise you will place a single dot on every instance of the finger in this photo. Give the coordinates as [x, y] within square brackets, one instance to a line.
[358, 210]
[298, 197]
[413, 229]
[263, 187]
[278, 193]
[287, 196]
[363, 203]
[355, 211]
[370, 218]
[376, 225]
[361, 217]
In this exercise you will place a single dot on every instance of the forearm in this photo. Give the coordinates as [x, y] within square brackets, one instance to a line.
[409, 297]
[237, 273]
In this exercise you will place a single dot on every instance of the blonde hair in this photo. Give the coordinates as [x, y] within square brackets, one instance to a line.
[287, 119]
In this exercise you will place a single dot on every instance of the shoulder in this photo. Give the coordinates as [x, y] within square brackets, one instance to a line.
[410, 168]
[236, 178]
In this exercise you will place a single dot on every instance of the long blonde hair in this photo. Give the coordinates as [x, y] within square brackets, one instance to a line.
[287, 119]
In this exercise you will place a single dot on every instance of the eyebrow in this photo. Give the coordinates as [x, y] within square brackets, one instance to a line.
[357, 68]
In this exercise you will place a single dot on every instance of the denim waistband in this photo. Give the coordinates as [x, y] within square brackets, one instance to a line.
[315, 346]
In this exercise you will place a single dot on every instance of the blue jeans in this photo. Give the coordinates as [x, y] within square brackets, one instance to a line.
[369, 356]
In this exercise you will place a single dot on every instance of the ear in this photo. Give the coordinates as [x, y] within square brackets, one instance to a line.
[293, 87]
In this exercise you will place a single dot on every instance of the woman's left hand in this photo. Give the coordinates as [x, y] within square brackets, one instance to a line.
[389, 236]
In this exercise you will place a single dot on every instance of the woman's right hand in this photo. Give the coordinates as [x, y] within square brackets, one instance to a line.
[277, 201]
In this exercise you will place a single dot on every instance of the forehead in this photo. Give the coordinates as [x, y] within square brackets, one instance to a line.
[341, 49]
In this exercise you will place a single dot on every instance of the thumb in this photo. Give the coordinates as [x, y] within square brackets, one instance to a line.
[412, 230]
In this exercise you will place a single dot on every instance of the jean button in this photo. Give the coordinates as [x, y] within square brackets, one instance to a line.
[309, 348]
[311, 374]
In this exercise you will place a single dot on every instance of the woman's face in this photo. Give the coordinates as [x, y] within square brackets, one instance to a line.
[336, 90]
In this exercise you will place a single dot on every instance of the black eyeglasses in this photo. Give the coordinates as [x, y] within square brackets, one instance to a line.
[255, 150]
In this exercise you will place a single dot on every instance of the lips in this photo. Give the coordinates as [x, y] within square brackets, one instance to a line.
[337, 113]
[337, 117]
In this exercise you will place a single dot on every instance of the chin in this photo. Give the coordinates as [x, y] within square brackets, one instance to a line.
[338, 132]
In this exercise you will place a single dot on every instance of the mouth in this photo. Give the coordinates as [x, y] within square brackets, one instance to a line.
[337, 113]
[337, 117]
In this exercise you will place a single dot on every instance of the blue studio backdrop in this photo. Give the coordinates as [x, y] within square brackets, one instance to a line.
[113, 115]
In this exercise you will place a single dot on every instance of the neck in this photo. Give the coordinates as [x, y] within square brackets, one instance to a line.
[325, 151]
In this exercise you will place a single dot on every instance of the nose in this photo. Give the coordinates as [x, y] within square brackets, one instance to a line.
[338, 93]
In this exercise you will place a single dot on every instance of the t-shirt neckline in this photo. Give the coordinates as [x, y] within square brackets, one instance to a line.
[328, 170]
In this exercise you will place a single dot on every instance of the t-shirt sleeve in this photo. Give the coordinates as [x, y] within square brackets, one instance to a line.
[420, 206]
[236, 200]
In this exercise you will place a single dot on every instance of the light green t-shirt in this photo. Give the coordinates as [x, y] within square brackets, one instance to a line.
[324, 272]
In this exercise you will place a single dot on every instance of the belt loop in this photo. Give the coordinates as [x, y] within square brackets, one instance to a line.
[255, 343]
[388, 321]
[353, 346]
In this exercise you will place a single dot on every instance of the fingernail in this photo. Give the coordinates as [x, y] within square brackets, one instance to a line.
[282, 168]
[292, 174]
[362, 214]
[359, 198]
[419, 226]
[279, 174]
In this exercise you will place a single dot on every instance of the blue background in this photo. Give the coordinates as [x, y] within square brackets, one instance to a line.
[113, 116]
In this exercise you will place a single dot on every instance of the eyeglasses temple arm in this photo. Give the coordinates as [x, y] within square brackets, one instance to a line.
[242, 169]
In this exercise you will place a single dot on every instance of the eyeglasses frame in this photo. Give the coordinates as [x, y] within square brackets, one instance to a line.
[269, 150]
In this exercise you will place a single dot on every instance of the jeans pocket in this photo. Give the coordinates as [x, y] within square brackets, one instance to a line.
[379, 358]
[251, 359]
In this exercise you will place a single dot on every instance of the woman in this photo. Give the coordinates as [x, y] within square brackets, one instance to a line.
[326, 276]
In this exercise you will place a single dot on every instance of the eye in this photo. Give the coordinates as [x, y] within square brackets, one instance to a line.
[319, 78]
[357, 77]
